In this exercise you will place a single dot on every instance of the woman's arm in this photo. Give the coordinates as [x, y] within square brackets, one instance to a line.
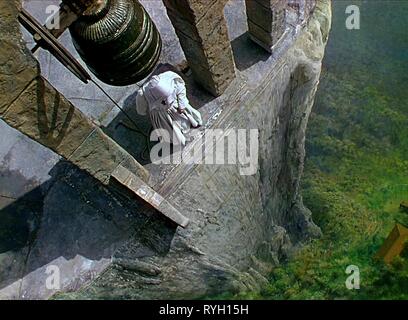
[181, 95]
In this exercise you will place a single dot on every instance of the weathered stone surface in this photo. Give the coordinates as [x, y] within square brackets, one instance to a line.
[33, 106]
[100, 155]
[47, 117]
[266, 21]
[260, 36]
[259, 14]
[207, 38]
[201, 7]
[17, 66]
[240, 226]
[12, 269]
[203, 35]
[146, 193]
[215, 78]
[79, 228]
[44, 115]
[193, 10]
[135, 167]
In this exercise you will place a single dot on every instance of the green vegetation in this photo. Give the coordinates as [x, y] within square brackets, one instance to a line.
[355, 177]
[356, 170]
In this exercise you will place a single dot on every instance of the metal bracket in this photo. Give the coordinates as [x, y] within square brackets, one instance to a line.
[46, 39]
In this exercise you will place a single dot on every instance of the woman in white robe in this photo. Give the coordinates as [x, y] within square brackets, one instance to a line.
[164, 98]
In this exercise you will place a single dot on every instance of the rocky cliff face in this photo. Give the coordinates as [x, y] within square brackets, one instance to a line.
[241, 226]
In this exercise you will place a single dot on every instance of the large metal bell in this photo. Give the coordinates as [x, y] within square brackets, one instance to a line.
[118, 41]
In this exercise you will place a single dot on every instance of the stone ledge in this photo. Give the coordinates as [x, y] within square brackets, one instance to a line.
[46, 116]
[17, 66]
[99, 155]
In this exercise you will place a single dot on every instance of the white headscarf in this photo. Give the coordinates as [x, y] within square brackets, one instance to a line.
[159, 88]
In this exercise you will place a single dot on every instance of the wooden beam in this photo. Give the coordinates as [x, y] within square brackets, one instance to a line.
[394, 244]
[147, 194]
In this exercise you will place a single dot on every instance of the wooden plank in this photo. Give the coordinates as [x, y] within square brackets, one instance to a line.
[394, 244]
[147, 194]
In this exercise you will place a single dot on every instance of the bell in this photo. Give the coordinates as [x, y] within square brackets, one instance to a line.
[118, 41]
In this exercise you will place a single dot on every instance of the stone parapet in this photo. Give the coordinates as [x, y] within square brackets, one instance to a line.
[202, 30]
[266, 21]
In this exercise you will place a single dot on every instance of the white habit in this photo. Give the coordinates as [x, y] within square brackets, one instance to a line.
[164, 98]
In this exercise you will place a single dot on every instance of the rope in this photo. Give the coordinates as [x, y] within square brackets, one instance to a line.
[136, 127]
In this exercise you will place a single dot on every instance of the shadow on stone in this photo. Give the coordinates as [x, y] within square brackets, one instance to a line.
[247, 53]
[133, 137]
[73, 215]
[17, 218]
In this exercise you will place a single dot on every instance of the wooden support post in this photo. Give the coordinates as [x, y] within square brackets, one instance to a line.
[394, 244]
